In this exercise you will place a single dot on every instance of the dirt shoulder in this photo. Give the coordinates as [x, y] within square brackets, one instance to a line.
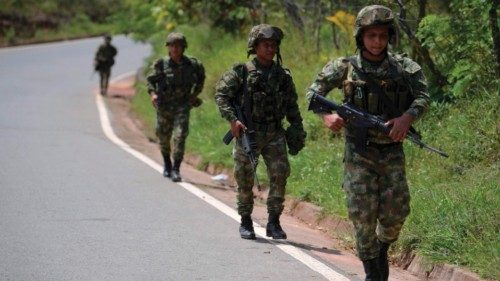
[307, 227]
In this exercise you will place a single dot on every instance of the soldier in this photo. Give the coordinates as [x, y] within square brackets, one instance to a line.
[394, 88]
[267, 92]
[174, 85]
[103, 61]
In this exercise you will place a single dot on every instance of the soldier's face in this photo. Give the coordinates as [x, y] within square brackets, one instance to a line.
[266, 49]
[375, 39]
[175, 50]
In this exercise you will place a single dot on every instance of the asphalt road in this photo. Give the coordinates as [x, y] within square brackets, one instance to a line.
[74, 206]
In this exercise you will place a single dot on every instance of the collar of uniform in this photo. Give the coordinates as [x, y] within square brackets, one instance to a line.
[379, 71]
[171, 62]
[263, 71]
[258, 65]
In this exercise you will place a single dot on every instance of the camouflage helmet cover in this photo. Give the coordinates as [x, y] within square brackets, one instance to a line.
[371, 16]
[263, 31]
[176, 37]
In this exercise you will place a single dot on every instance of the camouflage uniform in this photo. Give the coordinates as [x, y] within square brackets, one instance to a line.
[103, 61]
[374, 181]
[273, 98]
[180, 86]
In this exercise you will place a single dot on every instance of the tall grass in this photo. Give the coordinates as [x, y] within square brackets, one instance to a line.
[455, 201]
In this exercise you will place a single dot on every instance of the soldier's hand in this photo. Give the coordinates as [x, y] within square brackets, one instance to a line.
[154, 100]
[400, 126]
[333, 121]
[236, 127]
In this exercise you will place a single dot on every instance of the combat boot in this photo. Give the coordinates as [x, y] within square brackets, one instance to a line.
[167, 170]
[246, 228]
[383, 261]
[273, 228]
[176, 175]
[372, 270]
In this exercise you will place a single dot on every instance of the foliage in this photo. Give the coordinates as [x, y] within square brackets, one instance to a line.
[34, 21]
[344, 21]
[454, 201]
[462, 46]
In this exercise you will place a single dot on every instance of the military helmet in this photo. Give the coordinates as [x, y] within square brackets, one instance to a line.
[176, 37]
[263, 31]
[107, 37]
[371, 16]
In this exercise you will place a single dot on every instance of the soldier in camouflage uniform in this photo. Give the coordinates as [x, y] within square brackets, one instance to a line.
[174, 85]
[374, 177]
[271, 97]
[103, 61]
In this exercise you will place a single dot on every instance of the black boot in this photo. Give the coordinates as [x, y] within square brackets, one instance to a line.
[371, 269]
[273, 228]
[384, 261]
[246, 228]
[176, 175]
[167, 170]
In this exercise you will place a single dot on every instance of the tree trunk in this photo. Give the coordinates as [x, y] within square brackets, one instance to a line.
[422, 5]
[292, 10]
[317, 24]
[417, 45]
[334, 30]
[495, 33]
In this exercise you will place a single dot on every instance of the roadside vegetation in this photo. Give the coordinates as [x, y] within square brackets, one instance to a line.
[455, 201]
[32, 21]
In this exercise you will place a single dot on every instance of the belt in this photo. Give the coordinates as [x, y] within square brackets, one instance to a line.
[382, 145]
[265, 127]
[375, 144]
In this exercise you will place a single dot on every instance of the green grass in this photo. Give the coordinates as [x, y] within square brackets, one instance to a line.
[455, 201]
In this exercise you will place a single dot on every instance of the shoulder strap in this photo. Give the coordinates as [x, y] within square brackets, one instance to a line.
[374, 87]
[247, 99]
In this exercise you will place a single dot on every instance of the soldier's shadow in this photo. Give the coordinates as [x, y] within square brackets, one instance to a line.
[303, 246]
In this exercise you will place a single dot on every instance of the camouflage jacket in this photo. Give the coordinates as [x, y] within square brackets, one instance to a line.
[104, 57]
[179, 83]
[273, 95]
[339, 73]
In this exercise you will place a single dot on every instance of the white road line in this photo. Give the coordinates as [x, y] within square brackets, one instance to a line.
[293, 251]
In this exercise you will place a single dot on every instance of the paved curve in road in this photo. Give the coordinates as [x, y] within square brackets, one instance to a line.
[74, 206]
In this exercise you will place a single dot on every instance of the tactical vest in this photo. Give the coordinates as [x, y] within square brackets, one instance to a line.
[394, 85]
[268, 96]
[180, 79]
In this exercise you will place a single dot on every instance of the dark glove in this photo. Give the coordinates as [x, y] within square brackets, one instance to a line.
[195, 102]
[295, 138]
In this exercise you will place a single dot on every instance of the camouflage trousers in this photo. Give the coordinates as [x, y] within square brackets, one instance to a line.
[104, 74]
[170, 122]
[272, 147]
[378, 198]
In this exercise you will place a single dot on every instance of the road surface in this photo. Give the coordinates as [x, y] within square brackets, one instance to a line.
[75, 206]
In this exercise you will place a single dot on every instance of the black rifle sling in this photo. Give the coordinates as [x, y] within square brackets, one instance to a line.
[247, 99]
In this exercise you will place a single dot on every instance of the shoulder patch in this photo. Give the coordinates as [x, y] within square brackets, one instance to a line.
[410, 66]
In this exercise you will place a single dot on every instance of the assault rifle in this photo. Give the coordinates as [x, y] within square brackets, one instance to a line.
[247, 140]
[359, 118]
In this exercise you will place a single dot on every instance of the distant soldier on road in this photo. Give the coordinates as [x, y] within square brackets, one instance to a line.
[267, 93]
[174, 84]
[103, 61]
[392, 87]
